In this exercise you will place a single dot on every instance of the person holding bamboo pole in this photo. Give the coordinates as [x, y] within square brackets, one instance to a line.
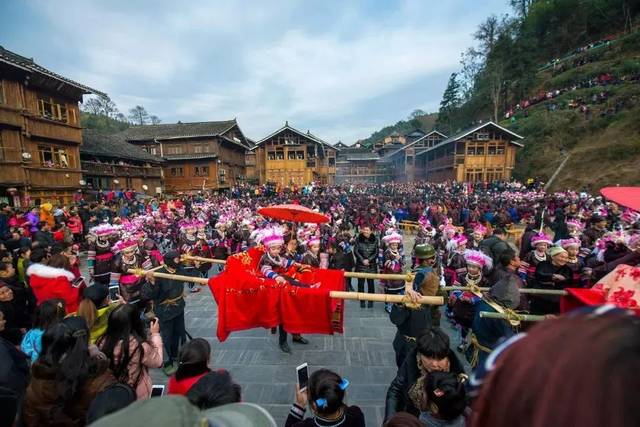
[409, 321]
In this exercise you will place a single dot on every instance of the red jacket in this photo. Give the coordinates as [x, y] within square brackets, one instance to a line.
[183, 386]
[75, 225]
[49, 282]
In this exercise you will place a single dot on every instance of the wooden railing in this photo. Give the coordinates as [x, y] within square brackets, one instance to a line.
[121, 170]
[51, 129]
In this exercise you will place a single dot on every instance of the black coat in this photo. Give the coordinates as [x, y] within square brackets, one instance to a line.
[342, 261]
[366, 249]
[398, 393]
[494, 247]
[549, 304]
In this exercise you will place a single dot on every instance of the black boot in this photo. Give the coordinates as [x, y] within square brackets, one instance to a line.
[362, 304]
[370, 304]
[285, 347]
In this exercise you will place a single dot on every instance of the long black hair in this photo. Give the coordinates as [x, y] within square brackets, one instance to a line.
[194, 359]
[325, 384]
[49, 313]
[214, 389]
[65, 347]
[124, 323]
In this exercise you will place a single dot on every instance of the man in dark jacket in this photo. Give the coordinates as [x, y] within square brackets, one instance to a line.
[366, 253]
[43, 236]
[168, 300]
[432, 353]
[495, 244]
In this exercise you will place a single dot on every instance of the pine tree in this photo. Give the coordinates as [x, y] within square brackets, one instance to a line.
[451, 101]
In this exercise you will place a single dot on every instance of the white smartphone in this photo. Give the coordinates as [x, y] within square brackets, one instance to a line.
[302, 373]
[113, 292]
[157, 390]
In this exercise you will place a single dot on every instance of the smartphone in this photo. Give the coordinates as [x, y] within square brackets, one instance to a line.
[302, 373]
[113, 292]
[77, 282]
[157, 390]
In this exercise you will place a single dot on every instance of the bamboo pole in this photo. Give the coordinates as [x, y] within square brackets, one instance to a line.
[531, 291]
[521, 317]
[360, 296]
[354, 274]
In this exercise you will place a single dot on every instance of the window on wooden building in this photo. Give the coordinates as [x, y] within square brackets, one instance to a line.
[201, 148]
[271, 155]
[280, 155]
[52, 109]
[300, 155]
[201, 171]
[223, 175]
[2, 98]
[474, 175]
[291, 155]
[332, 161]
[51, 156]
[177, 171]
[482, 136]
[173, 149]
[500, 148]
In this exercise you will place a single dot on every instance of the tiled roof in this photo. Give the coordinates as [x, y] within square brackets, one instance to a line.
[469, 131]
[177, 130]
[113, 146]
[308, 135]
[190, 156]
[28, 65]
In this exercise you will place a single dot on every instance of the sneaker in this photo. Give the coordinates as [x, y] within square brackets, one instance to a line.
[300, 340]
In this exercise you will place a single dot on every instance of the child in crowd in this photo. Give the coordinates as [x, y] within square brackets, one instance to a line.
[446, 400]
[325, 395]
[47, 314]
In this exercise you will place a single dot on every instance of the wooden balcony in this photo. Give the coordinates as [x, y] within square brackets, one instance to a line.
[105, 169]
[54, 177]
[51, 129]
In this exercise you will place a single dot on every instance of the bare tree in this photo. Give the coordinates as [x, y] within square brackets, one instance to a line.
[139, 115]
[495, 75]
[521, 7]
[155, 120]
[92, 106]
[472, 63]
[487, 34]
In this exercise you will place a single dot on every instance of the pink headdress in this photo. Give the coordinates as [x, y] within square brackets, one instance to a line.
[271, 236]
[424, 221]
[392, 238]
[104, 230]
[313, 240]
[186, 224]
[540, 238]
[478, 258]
[575, 223]
[566, 243]
[630, 217]
[124, 244]
[480, 229]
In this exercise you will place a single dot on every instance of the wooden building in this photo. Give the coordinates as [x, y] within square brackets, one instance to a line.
[405, 164]
[358, 164]
[198, 156]
[485, 152]
[290, 157]
[40, 132]
[109, 162]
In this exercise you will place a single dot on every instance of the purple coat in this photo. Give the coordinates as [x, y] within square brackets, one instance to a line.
[33, 219]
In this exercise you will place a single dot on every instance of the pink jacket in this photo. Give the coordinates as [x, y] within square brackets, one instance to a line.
[153, 354]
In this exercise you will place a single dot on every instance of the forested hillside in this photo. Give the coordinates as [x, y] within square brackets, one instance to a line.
[565, 74]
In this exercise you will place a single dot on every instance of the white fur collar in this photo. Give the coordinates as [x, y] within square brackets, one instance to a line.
[47, 272]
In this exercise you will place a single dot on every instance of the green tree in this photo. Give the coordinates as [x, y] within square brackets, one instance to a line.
[451, 101]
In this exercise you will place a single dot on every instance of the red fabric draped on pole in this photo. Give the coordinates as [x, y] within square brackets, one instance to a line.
[247, 300]
[621, 287]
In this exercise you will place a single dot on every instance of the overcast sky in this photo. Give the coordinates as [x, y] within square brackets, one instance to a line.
[342, 69]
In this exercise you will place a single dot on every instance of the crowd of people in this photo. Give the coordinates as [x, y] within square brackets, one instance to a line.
[80, 328]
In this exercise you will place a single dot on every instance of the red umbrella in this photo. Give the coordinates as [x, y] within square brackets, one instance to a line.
[293, 213]
[626, 196]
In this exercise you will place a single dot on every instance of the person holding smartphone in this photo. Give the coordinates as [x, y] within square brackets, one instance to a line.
[168, 300]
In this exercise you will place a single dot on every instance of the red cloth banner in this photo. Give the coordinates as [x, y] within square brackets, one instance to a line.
[621, 287]
[248, 300]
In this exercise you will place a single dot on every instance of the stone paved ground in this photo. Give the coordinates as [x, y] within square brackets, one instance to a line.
[363, 354]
